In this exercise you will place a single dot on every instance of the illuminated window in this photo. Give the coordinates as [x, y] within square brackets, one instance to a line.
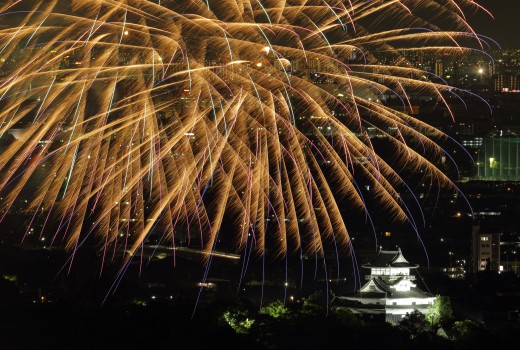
[484, 238]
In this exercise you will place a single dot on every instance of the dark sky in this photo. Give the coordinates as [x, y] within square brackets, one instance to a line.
[505, 28]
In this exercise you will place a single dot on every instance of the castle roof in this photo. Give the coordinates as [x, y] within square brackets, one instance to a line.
[389, 258]
[377, 288]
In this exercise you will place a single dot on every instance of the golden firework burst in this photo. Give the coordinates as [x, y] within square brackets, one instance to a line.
[133, 115]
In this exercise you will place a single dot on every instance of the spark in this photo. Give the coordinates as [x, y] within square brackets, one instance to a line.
[243, 123]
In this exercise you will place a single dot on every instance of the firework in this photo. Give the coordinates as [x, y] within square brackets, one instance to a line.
[134, 116]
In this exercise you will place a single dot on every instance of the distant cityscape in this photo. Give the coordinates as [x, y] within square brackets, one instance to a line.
[482, 121]
[465, 233]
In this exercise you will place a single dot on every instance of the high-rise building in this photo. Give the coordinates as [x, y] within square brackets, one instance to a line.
[439, 68]
[506, 82]
[486, 250]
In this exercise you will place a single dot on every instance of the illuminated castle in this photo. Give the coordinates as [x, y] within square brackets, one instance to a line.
[390, 292]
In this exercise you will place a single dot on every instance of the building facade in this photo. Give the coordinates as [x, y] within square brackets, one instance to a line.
[486, 250]
[499, 159]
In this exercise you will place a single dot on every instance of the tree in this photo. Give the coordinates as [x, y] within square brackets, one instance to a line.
[347, 317]
[414, 323]
[315, 304]
[238, 319]
[462, 330]
[440, 313]
[276, 310]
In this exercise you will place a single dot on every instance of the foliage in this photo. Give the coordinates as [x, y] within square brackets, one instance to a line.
[464, 329]
[238, 320]
[138, 302]
[315, 303]
[347, 317]
[440, 313]
[276, 309]
[414, 323]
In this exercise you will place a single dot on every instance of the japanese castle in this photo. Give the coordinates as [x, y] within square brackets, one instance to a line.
[390, 292]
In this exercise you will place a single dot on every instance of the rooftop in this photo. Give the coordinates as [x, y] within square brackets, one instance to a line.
[389, 258]
[377, 288]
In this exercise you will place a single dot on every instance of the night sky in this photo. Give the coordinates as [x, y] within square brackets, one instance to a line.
[505, 27]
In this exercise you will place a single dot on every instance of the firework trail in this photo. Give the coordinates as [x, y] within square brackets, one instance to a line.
[137, 116]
